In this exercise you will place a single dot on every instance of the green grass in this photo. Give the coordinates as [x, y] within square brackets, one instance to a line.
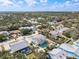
[31, 56]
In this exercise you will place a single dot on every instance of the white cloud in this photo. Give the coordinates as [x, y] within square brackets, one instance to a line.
[67, 5]
[31, 2]
[9, 3]
[44, 1]
[6, 3]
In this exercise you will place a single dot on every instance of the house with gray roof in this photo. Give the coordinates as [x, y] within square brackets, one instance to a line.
[18, 45]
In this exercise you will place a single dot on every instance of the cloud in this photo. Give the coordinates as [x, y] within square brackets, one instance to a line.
[31, 2]
[44, 1]
[10, 3]
[18, 3]
[40, 5]
[6, 3]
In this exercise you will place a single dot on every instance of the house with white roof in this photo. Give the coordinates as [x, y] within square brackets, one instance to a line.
[70, 49]
[58, 32]
[57, 54]
[26, 38]
[33, 28]
[4, 33]
[65, 50]
[14, 45]
[38, 39]
[60, 27]
[25, 28]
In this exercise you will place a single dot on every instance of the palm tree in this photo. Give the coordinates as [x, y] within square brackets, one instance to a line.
[41, 55]
[7, 55]
[20, 56]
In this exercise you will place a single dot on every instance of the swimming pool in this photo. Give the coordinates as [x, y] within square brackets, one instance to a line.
[44, 45]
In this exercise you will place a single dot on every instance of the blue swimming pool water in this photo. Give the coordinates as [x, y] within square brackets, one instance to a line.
[44, 45]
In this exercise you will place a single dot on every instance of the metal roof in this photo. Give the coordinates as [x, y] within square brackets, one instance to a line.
[15, 46]
[55, 51]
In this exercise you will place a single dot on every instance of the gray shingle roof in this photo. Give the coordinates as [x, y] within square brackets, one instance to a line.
[18, 45]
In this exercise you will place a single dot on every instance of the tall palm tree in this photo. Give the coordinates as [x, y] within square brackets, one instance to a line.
[20, 56]
[7, 55]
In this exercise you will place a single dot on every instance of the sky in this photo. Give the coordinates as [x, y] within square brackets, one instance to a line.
[39, 5]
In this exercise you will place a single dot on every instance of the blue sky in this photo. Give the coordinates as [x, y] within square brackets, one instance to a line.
[39, 5]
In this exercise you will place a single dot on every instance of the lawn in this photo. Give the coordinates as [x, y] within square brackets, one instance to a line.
[31, 56]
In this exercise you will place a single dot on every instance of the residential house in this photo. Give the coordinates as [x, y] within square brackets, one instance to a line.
[58, 32]
[59, 27]
[38, 39]
[4, 33]
[15, 34]
[33, 28]
[26, 38]
[65, 50]
[14, 45]
[57, 54]
[25, 28]
[72, 49]
[18, 45]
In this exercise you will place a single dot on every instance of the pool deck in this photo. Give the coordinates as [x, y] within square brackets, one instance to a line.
[50, 41]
